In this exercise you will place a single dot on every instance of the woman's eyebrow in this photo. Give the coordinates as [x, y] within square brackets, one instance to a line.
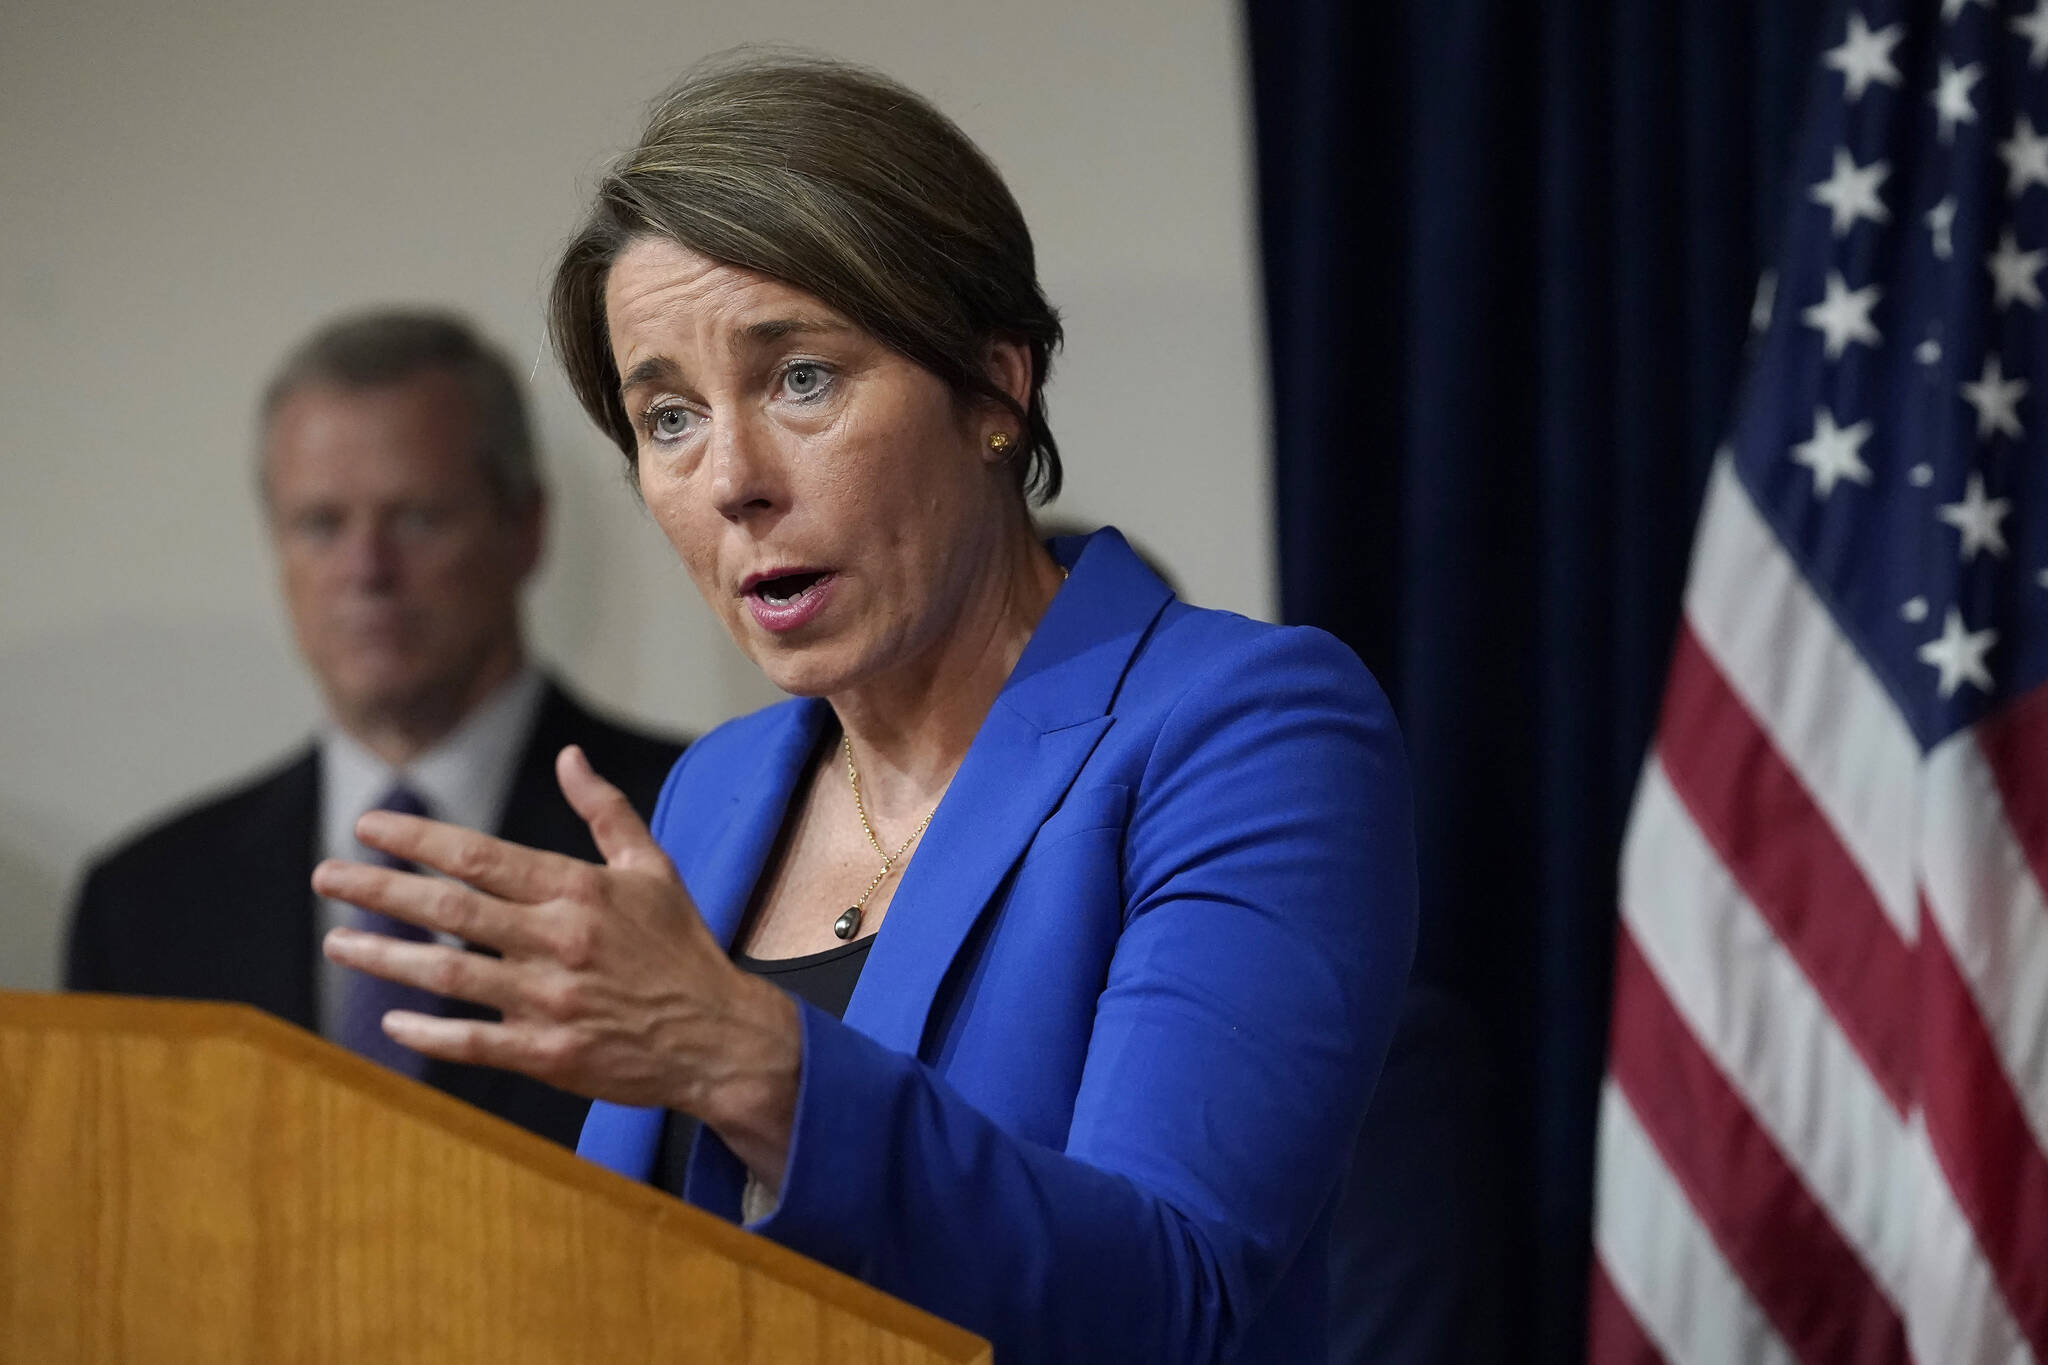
[756, 334]
[751, 337]
[653, 368]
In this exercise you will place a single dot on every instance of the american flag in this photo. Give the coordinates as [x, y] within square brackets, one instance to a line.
[1823, 1129]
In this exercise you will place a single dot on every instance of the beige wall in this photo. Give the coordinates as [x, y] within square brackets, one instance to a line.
[186, 188]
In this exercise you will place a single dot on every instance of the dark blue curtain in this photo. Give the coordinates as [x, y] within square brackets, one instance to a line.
[1510, 254]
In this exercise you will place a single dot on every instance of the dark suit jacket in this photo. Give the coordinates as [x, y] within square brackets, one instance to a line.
[215, 903]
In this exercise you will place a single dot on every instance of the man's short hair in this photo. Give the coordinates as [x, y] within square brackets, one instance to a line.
[385, 346]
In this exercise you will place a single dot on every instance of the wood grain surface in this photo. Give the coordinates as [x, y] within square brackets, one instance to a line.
[188, 1182]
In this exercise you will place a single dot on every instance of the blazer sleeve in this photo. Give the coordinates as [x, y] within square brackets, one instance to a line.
[1269, 922]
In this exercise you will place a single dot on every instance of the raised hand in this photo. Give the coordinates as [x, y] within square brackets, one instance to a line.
[609, 984]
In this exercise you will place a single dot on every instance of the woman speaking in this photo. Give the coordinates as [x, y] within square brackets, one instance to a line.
[1035, 962]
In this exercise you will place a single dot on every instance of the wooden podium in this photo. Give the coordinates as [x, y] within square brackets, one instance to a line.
[183, 1182]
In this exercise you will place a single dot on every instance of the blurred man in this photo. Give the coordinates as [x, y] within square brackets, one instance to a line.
[399, 481]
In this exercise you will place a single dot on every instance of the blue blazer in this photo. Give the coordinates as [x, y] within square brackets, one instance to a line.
[1104, 1067]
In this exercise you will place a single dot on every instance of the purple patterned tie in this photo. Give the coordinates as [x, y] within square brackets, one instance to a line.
[365, 998]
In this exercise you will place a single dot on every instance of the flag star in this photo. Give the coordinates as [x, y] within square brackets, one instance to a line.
[2033, 27]
[1997, 400]
[2025, 156]
[1951, 97]
[1959, 655]
[1914, 609]
[1844, 315]
[1864, 56]
[1951, 8]
[1978, 518]
[1850, 192]
[2042, 578]
[1834, 453]
[1941, 221]
[2013, 271]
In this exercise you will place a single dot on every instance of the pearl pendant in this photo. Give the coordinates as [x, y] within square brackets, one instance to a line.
[848, 924]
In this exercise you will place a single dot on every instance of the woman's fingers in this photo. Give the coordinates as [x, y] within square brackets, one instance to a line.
[432, 903]
[498, 866]
[542, 1053]
[621, 835]
[605, 965]
[474, 1042]
[432, 967]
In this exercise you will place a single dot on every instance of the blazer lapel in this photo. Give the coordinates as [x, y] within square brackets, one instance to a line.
[1041, 730]
[721, 879]
[1012, 778]
[270, 943]
[536, 813]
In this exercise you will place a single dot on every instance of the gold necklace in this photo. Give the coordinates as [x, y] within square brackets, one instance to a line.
[848, 924]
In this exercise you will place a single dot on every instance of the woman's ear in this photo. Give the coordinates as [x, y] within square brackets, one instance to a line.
[1009, 364]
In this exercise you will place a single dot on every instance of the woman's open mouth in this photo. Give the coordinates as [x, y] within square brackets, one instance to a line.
[782, 602]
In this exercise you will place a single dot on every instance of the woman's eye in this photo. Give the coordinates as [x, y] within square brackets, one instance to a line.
[805, 381]
[669, 423]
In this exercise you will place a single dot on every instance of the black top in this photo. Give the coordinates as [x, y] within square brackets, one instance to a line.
[825, 980]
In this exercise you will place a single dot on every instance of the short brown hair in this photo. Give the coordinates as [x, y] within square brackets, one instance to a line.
[383, 346]
[846, 185]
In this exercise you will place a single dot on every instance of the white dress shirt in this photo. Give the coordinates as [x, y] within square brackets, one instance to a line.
[465, 780]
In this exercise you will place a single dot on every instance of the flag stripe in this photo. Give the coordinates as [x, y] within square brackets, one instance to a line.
[1662, 1263]
[2015, 744]
[1783, 852]
[1982, 1140]
[1981, 891]
[1799, 1270]
[1955, 1314]
[1809, 689]
[1831, 990]
[1613, 1336]
[1758, 1017]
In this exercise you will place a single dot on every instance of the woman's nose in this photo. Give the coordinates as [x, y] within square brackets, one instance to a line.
[746, 471]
